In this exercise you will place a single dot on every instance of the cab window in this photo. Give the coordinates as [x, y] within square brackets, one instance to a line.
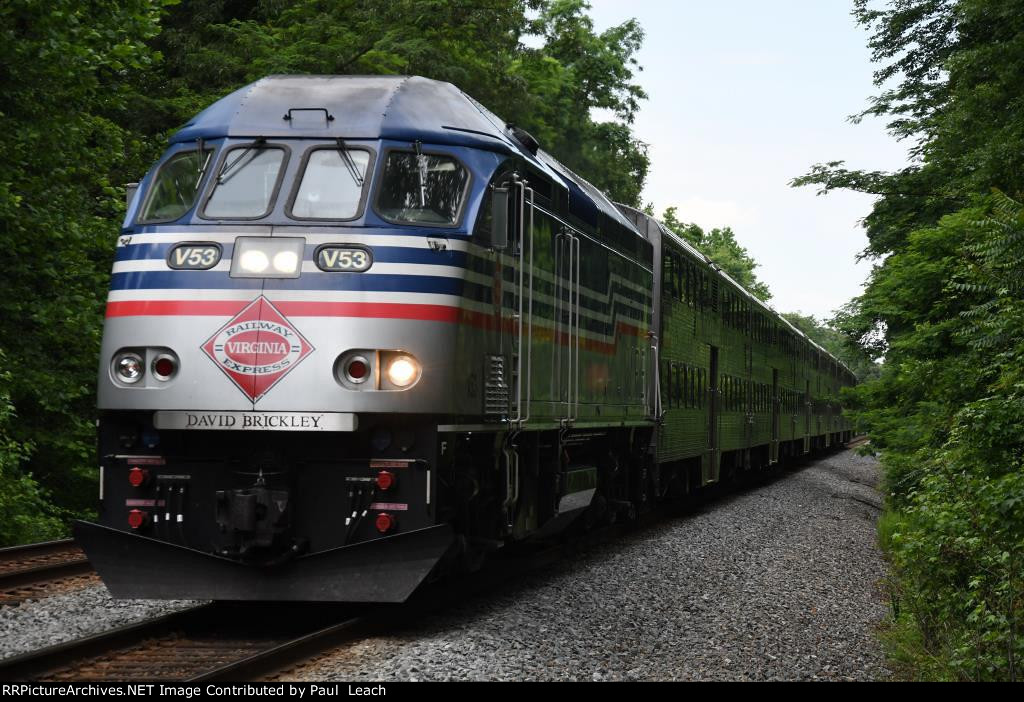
[332, 184]
[246, 183]
[175, 186]
[421, 189]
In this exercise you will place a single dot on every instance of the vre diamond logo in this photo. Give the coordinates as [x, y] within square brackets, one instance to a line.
[257, 348]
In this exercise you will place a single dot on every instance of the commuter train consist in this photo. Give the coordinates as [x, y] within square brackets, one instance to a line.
[361, 332]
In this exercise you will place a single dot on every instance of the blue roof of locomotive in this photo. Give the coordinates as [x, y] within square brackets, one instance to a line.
[402, 108]
[406, 108]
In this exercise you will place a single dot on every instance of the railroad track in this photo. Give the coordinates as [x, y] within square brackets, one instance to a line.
[248, 641]
[207, 643]
[37, 570]
[858, 441]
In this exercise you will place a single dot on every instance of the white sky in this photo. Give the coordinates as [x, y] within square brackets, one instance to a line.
[745, 95]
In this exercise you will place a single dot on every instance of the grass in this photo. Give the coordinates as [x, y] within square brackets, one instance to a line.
[907, 655]
[888, 524]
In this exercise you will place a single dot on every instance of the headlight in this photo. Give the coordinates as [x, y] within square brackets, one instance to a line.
[286, 262]
[372, 370]
[266, 257]
[254, 262]
[129, 367]
[403, 371]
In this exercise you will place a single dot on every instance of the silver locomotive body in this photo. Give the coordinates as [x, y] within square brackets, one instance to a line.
[308, 395]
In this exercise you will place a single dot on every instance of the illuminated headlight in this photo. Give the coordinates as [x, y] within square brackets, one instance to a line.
[266, 257]
[403, 371]
[286, 262]
[129, 367]
[254, 262]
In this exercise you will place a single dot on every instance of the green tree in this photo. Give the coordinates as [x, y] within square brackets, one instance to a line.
[63, 68]
[28, 514]
[586, 71]
[943, 307]
[951, 74]
[950, 425]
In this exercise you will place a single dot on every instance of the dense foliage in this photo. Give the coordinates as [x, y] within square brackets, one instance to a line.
[944, 307]
[90, 90]
[63, 69]
[28, 514]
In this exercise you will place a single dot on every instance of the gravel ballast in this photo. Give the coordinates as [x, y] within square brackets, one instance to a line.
[777, 582]
[35, 624]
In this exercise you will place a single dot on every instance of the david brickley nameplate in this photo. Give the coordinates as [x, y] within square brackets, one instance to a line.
[256, 421]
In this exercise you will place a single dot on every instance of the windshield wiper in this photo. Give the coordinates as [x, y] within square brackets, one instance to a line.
[350, 163]
[421, 171]
[201, 147]
[229, 166]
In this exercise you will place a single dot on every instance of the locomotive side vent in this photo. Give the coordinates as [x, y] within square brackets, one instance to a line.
[496, 394]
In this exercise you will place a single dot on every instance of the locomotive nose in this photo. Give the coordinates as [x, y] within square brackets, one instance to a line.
[298, 322]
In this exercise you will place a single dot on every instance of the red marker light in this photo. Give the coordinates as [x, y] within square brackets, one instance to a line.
[138, 476]
[136, 518]
[164, 367]
[385, 480]
[357, 369]
[384, 522]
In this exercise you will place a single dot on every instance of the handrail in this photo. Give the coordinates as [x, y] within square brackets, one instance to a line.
[574, 242]
[556, 347]
[528, 234]
[570, 296]
[657, 413]
[517, 185]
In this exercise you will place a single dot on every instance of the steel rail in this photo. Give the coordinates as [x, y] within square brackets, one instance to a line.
[24, 570]
[205, 643]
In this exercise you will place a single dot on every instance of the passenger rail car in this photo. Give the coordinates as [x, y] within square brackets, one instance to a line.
[360, 331]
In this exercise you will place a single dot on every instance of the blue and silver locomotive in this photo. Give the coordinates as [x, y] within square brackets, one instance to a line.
[361, 331]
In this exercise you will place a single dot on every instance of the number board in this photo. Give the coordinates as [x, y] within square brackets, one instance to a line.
[194, 257]
[351, 259]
